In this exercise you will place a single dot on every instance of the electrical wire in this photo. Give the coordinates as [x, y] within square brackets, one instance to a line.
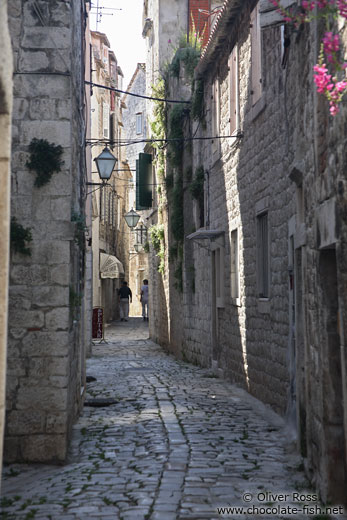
[112, 89]
[127, 142]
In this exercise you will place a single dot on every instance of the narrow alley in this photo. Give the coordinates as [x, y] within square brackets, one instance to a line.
[161, 439]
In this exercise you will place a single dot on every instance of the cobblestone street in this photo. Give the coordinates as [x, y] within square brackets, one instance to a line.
[177, 443]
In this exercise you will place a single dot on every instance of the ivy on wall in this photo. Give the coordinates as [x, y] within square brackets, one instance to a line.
[80, 221]
[198, 109]
[156, 237]
[19, 237]
[169, 121]
[45, 159]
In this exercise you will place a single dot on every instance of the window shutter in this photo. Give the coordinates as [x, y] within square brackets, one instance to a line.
[256, 56]
[233, 90]
[144, 181]
[268, 12]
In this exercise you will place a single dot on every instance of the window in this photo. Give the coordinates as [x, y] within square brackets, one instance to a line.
[106, 119]
[139, 123]
[218, 253]
[263, 255]
[141, 234]
[215, 114]
[256, 81]
[233, 90]
[234, 254]
[119, 209]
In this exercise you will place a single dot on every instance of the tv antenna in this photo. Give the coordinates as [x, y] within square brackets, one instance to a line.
[101, 11]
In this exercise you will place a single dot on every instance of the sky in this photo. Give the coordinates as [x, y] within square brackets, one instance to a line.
[124, 31]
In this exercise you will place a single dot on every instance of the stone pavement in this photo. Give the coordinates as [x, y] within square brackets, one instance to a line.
[173, 443]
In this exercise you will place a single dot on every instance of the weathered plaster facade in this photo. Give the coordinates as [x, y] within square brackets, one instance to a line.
[135, 128]
[46, 347]
[6, 85]
[109, 203]
[264, 277]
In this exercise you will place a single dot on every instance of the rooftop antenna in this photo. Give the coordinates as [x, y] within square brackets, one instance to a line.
[101, 11]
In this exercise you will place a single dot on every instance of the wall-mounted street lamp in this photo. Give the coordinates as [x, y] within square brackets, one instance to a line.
[105, 163]
[132, 218]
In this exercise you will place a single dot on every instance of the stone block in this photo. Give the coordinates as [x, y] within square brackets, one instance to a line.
[19, 274]
[30, 15]
[50, 253]
[45, 344]
[59, 64]
[42, 397]
[50, 296]
[33, 61]
[12, 384]
[56, 423]
[58, 319]
[22, 180]
[46, 38]
[56, 132]
[58, 381]
[61, 208]
[27, 319]
[20, 111]
[11, 449]
[60, 183]
[60, 274]
[20, 297]
[43, 448]
[15, 367]
[14, 8]
[41, 206]
[15, 25]
[29, 86]
[64, 109]
[25, 423]
[16, 333]
[22, 209]
[49, 109]
[39, 275]
[48, 366]
[64, 231]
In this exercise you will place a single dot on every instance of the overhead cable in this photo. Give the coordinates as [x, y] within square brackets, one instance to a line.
[112, 89]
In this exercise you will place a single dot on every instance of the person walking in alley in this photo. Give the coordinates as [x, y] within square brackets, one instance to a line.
[124, 295]
[144, 300]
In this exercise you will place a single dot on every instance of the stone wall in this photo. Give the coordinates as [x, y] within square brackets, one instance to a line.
[5, 154]
[279, 182]
[317, 168]
[285, 348]
[135, 105]
[45, 352]
[250, 342]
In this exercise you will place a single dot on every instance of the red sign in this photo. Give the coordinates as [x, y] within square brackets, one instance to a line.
[98, 323]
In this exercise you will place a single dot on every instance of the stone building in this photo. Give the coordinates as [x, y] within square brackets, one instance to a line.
[135, 132]
[109, 203]
[260, 292]
[5, 154]
[46, 329]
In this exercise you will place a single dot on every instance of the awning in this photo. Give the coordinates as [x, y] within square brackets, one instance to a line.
[212, 235]
[110, 266]
[206, 234]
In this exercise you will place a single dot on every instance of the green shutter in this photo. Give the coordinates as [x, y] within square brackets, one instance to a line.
[144, 181]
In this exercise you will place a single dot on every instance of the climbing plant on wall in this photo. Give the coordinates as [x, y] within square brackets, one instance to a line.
[19, 237]
[45, 159]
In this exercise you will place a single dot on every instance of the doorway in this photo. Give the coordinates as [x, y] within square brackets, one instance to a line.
[333, 427]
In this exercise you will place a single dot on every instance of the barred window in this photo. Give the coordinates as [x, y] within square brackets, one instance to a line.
[234, 253]
[263, 255]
